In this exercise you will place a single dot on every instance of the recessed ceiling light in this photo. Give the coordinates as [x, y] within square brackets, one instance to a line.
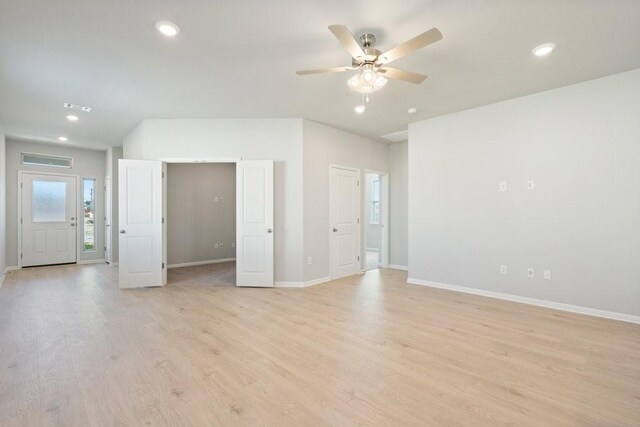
[63, 138]
[72, 118]
[412, 110]
[359, 108]
[167, 28]
[543, 49]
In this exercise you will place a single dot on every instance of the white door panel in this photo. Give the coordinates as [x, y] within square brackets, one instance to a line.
[254, 223]
[345, 222]
[49, 219]
[140, 195]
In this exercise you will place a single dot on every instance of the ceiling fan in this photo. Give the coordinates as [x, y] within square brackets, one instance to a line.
[372, 63]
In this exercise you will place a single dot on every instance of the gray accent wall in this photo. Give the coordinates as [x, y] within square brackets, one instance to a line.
[201, 212]
[580, 144]
[86, 164]
[398, 204]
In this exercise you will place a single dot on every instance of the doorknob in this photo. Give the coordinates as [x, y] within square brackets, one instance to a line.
[335, 230]
[269, 230]
[122, 231]
[72, 224]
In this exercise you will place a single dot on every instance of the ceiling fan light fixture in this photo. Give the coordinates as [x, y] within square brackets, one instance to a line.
[356, 84]
[359, 108]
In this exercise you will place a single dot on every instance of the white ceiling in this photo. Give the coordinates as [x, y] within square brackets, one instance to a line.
[237, 59]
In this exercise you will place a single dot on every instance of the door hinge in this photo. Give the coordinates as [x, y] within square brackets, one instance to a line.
[20, 256]
[163, 220]
[163, 265]
[358, 258]
[358, 182]
[20, 220]
[105, 248]
[358, 220]
[162, 174]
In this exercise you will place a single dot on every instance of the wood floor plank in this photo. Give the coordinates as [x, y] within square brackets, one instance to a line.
[367, 350]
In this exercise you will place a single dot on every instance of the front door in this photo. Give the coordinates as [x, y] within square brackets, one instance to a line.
[49, 219]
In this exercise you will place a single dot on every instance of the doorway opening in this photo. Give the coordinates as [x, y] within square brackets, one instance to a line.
[201, 224]
[375, 220]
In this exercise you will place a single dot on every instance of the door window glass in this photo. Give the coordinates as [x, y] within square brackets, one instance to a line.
[89, 214]
[49, 201]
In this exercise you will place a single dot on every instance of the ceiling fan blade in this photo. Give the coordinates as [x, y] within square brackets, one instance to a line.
[405, 76]
[345, 37]
[324, 70]
[424, 39]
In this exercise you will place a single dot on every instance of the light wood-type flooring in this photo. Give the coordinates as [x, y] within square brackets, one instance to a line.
[366, 350]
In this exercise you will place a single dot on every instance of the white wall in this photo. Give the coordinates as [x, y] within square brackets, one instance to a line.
[398, 204]
[195, 221]
[323, 146]
[581, 145]
[111, 169]
[86, 163]
[3, 214]
[252, 139]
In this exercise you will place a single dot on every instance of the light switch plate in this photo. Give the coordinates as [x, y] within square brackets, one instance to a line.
[530, 273]
[215, 199]
[531, 184]
[547, 275]
[503, 186]
[503, 269]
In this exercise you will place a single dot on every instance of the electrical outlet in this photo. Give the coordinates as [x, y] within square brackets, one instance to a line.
[530, 273]
[215, 246]
[233, 245]
[547, 275]
[503, 186]
[221, 245]
[309, 260]
[503, 270]
[221, 199]
[216, 199]
[531, 184]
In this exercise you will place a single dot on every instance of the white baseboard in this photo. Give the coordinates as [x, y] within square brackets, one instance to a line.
[91, 261]
[11, 268]
[399, 267]
[301, 284]
[531, 301]
[114, 264]
[191, 264]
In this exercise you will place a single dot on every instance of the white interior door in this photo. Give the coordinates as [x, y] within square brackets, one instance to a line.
[345, 222]
[107, 219]
[140, 196]
[49, 219]
[254, 223]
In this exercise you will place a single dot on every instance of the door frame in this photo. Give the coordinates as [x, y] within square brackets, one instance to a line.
[360, 211]
[384, 206]
[21, 173]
